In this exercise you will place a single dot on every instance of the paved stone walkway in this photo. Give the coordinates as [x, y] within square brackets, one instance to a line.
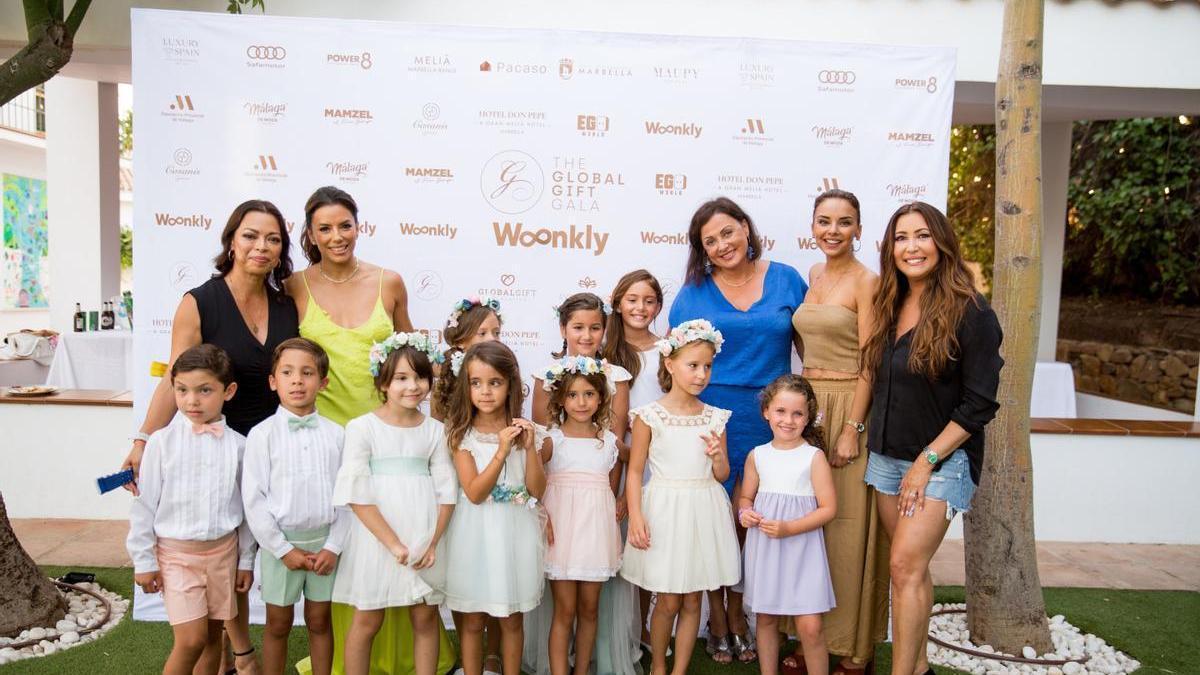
[101, 543]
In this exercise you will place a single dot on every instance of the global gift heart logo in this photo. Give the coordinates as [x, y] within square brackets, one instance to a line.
[508, 279]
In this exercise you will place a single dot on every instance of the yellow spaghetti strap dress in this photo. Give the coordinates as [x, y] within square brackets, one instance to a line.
[351, 393]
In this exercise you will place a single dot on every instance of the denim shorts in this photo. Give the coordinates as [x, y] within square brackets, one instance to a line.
[951, 483]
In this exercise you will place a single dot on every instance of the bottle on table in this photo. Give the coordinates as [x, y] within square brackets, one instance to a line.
[80, 320]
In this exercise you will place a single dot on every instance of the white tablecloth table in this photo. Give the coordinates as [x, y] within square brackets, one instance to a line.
[93, 360]
[1053, 390]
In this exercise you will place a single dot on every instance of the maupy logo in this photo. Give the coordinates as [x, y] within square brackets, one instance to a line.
[435, 230]
[180, 168]
[266, 56]
[427, 285]
[266, 168]
[348, 171]
[576, 185]
[907, 192]
[595, 126]
[836, 80]
[674, 128]
[430, 121]
[832, 135]
[753, 132]
[512, 182]
[568, 69]
[429, 174]
[432, 63]
[670, 184]
[361, 60]
[586, 238]
[756, 75]
[511, 68]
[513, 122]
[182, 108]
[265, 112]
[180, 50]
[928, 85]
[348, 116]
[750, 185]
[911, 138]
[197, 221]
[676, 73]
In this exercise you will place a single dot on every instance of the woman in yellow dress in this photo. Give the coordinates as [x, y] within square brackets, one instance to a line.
[345, 305]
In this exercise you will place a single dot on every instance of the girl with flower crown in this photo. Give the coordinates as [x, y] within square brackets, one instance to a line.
[681, 537]
[472, 320]
[397, 477]
[495, 552]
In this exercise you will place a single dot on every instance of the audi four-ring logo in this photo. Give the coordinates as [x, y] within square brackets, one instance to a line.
[266, 52]
[836, 77]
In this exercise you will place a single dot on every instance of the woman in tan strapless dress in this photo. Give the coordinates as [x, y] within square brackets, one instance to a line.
[831, 325]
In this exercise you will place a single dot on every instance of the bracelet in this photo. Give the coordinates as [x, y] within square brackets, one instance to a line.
[743, 510]
[140, 436]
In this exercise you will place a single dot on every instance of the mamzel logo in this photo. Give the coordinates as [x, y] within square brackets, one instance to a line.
[910, 138]
[348, 116]
[512, 182]
[429, 174]
[670, 183]
[674, 129]
[586, 238]
[577, 187]
[832, 135]
[432, 63]
[361, 59]
[836, 80]
[181, 108]
[928, 84]
[592, 125]
[194, 220]
[265, 56]
[349, 172]
[439, 230]
[265, 113]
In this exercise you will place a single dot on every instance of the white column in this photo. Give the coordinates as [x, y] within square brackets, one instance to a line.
[1056, 171]
[83, 209]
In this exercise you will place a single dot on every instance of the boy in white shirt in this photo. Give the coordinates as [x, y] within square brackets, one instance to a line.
[291, 464]
[186, 527]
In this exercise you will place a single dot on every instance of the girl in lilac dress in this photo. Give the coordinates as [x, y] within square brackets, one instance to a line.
[787, 496]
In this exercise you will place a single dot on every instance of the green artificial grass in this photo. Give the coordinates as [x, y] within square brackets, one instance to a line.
[1158, 628]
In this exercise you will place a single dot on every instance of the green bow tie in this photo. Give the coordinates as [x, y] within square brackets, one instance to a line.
[306, 422]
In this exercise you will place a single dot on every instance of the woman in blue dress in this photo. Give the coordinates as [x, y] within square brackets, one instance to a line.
[751, 301]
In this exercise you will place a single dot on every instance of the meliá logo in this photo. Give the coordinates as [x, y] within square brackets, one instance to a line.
[908, 192]
[674, 129]
[432, 63]
[265, 56]
[910, 138]
[438, 230]
[592, 125]
[347, 172]
[194, 220]
[361, 59]
[180, 168]
[265, 112]
[832, 135]
[587, 238]
[670, 183]
[512, 182]
[429, 174]
[182, 108]
[928, 85]
[348, 116]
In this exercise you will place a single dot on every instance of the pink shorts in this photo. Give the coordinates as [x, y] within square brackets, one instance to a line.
[198, 578]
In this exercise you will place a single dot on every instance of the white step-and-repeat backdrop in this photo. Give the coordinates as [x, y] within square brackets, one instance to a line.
[521, 164]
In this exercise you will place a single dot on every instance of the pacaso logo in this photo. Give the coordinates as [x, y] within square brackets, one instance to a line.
[512, 182]
[586, 238]
[927, 84]
[670, 183]
[194, 220]
[439, 230]
[674, 129]
[361, 59]
[511, 68]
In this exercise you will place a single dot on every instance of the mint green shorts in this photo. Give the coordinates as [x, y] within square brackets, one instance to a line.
[282, 587]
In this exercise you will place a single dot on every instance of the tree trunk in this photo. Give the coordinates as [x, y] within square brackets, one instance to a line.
[1005, 608]
[27, 598]
[51, 41]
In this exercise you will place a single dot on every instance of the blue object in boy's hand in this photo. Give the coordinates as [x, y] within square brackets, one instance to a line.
[113, 481]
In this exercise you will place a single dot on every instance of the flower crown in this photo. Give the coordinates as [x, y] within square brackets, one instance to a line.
[582, 365]
[687, 332]
[418, 341]
[462, 306]
[604, 307]
[456, 361]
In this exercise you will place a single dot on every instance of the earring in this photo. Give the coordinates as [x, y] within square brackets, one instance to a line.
[707, 266]
[750, 252]
[857, 245]
[230, 255]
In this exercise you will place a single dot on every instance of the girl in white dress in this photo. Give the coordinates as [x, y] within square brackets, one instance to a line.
[681, 535]
[397, 477]
[496, 546]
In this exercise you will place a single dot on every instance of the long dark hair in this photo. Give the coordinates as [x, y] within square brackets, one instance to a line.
[695, 265]
[224, 260]
[468, 323]
[949, 289]
[580, 302]
[323, 196]
[616, 350]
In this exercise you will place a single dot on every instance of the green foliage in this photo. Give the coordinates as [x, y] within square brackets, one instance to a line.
[970, 206]
[126, 248]
[1133, 209]
[125, 132]
[235, 6]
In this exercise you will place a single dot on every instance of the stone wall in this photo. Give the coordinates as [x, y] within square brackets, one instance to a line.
[1165, 378]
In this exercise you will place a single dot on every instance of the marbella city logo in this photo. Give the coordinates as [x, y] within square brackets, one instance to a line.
[513, 122]
[347, 172]
[928, 85]
[265, 112]
[181, 108]
[832, 135]
[841, 81]
[362, 60]
[512, 182]
[348, 116]
[435, 230]
[575, 185]
[266, 56]
[756, 75]
[430, 122]
[594, 126]
[182, 51]
[574, 237]
[197, 221]
[670, 184]
[180, 168]
[567, 69]
[432, 63]
[676, 128]
[753, 132]
[750, 186]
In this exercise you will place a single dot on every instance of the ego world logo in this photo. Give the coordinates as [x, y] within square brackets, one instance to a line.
[266, 52]
[836, 77]
[512, 182]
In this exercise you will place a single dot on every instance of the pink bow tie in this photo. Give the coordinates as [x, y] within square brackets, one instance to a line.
[216, 429]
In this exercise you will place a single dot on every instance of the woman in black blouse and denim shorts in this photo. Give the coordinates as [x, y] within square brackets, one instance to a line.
[935, 354]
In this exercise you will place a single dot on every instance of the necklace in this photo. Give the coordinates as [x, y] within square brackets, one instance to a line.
[742, 282]
[826, 294]
[321, 269]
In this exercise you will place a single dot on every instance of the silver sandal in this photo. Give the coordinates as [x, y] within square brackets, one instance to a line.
[742, 644]
[718, 645]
